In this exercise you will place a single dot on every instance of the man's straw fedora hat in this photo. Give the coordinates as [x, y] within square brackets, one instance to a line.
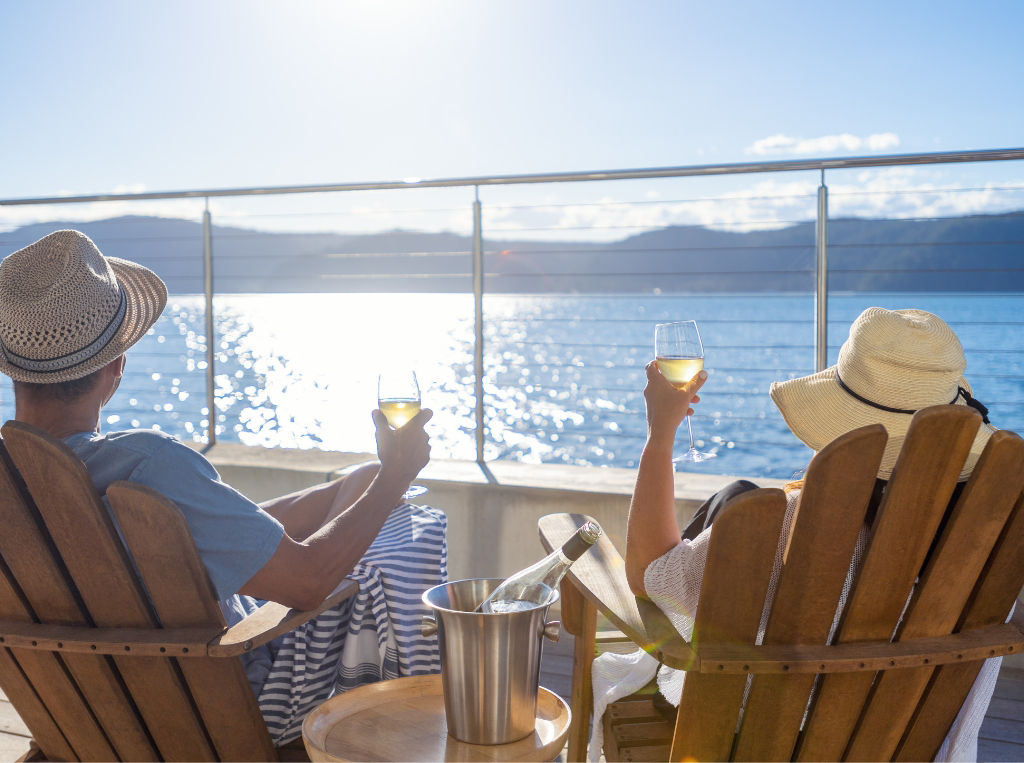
[893, 363]
[66, 310]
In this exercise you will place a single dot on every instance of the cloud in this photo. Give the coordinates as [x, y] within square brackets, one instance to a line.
[882, 141]
[762, 204]
[826, 144]
[129, 188]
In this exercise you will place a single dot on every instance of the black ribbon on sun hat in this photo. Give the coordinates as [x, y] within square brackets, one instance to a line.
[73, 359]
[960, 392]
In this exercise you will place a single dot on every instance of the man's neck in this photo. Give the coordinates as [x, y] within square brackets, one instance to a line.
[58, 419]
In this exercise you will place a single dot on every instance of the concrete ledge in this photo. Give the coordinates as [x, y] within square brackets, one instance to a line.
[262, 473]
[492, 510]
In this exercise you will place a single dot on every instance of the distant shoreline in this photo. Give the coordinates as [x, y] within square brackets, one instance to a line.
[976, 254]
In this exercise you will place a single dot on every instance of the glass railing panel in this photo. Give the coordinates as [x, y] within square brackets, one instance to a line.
[307, 320]
[949, 246]
[565, 360]
[164, 386]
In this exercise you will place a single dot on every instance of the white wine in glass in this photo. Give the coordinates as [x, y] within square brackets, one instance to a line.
[399, 412]
[398, 397]
[679, 371]
[680, 356]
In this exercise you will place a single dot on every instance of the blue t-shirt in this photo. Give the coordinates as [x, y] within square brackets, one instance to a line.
[234, 536]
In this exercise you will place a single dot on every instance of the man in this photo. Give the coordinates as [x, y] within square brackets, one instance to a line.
[67, 316]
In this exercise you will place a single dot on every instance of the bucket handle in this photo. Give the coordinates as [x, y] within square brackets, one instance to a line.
[550, 630]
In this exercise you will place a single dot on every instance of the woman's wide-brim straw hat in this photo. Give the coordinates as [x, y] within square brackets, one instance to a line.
[901, 360]
[66, 310]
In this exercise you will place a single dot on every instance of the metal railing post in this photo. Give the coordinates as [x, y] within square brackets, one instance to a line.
[211, 428]
[478, 322]
[821, 278]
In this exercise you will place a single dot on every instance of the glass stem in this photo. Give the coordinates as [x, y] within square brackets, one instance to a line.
[689, 429]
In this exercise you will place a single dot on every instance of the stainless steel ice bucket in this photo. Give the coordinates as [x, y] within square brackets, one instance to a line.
[490, 663]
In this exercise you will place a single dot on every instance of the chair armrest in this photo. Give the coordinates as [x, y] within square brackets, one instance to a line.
[152, 642]
[261, 626]
[977, 644]
[600, 575]
[270, 621]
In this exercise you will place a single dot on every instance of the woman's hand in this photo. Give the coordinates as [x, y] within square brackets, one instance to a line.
[667, 406]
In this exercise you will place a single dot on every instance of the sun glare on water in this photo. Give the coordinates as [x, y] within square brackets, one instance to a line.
[318, 357]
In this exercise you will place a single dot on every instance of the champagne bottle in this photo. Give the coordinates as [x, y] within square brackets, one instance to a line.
[532, 587]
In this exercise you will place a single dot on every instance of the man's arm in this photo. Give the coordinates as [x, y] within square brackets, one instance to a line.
[652, 529]
[301, 574]
[305, 511]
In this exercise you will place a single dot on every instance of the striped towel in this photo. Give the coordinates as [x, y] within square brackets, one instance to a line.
[372, 636]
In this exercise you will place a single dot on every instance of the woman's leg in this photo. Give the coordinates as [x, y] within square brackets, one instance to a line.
[708, 510]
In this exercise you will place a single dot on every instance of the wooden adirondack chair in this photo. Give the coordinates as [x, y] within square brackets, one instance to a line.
[111, 650]
[877, 698]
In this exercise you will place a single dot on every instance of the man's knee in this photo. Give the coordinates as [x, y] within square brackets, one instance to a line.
[366, 470]
[353, 480]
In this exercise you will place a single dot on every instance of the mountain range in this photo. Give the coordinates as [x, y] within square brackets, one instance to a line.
[970, 253]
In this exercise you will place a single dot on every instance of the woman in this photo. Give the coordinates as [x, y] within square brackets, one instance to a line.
[892, 364]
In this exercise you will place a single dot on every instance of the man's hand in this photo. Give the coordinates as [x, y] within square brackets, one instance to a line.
[303, 571]
[667, 406]
[403, 452]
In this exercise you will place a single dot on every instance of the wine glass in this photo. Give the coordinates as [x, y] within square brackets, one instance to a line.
[680, 356]
[398, 397]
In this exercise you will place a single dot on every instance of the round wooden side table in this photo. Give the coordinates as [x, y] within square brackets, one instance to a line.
[403, 719]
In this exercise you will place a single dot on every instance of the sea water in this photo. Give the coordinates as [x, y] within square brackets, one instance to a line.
[563, 375]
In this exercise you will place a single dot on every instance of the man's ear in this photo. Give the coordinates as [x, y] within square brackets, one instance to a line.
[112, 373]
[116, 366]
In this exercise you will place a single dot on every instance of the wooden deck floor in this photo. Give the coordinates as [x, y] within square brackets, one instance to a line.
[1001, 738]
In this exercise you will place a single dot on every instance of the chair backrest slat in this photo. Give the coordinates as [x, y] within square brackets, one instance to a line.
[912, 509]
[729, 608]
[830, 516]
[87, 540]
[20, 690]
[183, 596]
[83, 693]
[990, 602]
[943, 591]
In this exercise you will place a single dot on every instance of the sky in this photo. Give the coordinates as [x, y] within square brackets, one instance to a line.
[105, 96]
